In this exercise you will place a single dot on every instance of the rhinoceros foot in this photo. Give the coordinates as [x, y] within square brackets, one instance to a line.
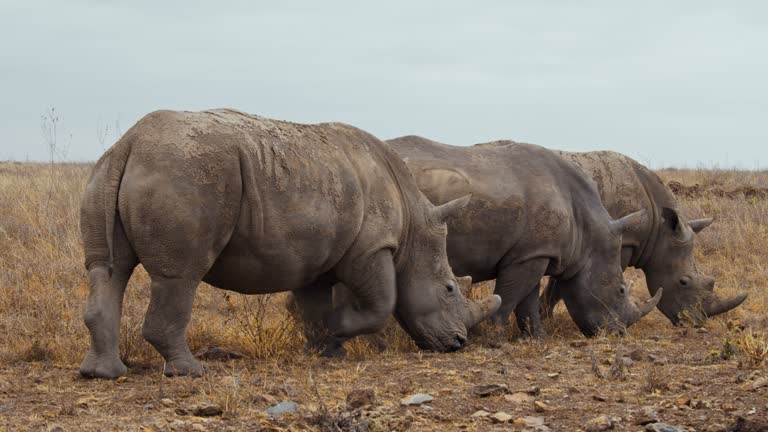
[332, 348]
[107, 366]
[184, 367]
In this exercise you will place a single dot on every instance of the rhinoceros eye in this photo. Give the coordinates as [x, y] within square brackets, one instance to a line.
[450, 286]
[684, 281]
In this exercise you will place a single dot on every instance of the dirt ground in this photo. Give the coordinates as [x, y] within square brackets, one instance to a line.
[697, 379]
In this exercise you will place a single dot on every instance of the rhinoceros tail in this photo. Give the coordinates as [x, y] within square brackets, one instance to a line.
[115, 169]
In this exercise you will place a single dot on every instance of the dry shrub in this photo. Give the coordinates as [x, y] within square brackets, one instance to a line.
[754, 347]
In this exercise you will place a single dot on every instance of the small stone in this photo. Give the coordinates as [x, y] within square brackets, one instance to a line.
[501, 417]
[647, 414]
[55, 428]
[716, 427]
[282, 408]
[628, 362]
[519, 398]
[361, 397]
[599, 424]
[416, 399]
[684, 401]
[662, 427]
[267, 398]
[529, 421]
[533, 391]
[207, 410]
[217, 353]
[488, 390]
[702, 330]
[121, 379]
[167, 402]
[553, 375]
[480, 414]
[759, 383]
[637, 355]
[539, 406]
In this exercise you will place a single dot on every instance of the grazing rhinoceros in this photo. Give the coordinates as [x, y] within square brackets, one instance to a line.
[532, 213]
[662, 246]
[256, 206]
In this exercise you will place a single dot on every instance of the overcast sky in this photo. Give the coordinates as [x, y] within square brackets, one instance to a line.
[681, 83]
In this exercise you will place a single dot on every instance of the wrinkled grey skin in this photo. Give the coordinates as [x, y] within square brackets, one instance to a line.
[662, 246]
[532, 214]
[257, 206]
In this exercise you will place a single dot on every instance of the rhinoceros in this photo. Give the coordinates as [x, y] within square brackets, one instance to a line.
[662, 246]
[254, 205]
[532, 213]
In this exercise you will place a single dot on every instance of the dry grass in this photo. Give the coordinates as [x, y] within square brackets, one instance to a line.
[43, 286]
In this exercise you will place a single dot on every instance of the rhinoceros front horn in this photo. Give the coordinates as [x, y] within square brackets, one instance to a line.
[699, 224]
[444, 211]
[644, 307]
[480, 310]
[717, 305]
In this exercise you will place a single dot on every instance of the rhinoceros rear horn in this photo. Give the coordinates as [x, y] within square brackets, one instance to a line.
[443, 212]
[645, 307]
[479, 310]
[718, 305]
[619, 226]
[699, 224]
[465, 285]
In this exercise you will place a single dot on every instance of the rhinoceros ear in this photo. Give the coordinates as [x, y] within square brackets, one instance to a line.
[699, 224]
[672, 220]
[619, 226]
[443, 212]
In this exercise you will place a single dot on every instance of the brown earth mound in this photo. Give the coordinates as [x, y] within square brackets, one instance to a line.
[699, 191]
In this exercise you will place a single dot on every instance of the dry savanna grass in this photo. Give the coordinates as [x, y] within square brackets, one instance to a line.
[43, 288]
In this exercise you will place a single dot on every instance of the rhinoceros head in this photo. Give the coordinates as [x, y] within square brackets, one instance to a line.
[687, 292]
[596, 296]
[431, 302]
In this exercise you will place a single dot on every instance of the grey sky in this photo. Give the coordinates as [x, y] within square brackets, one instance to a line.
[671, 83]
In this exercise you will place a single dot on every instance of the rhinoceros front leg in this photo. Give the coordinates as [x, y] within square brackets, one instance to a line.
[165, 324]
[528, 316]
[517, 284]
[313, 305]
[372, 293]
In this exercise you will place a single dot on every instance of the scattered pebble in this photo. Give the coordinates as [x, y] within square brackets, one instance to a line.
[282, 408]
[529, 421]
[637, 355]
[416, 399]
[207, 410]
[501, 417]
[759, 383]
[480, 414]
[488, 390]
[662, 427]
[553, 375]
[539, 406]
[599, 424]
[647, 414]
[361, 397]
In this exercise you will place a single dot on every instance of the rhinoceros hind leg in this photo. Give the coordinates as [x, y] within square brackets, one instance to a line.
[102, 317]
[527, 314]
[165, 324]
[514, 284]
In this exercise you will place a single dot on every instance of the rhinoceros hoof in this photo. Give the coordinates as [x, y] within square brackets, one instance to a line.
[185, 367]
[333, 351]
[106, 366]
